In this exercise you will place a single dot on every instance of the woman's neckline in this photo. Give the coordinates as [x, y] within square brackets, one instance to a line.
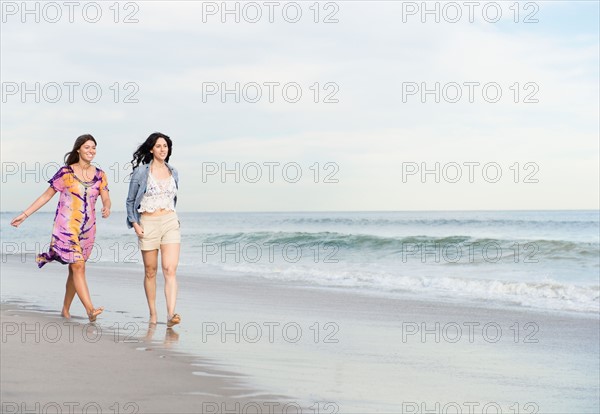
[156, 178]
[79, 179]
[160, 179]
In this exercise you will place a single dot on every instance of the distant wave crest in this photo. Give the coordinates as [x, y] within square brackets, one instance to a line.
[368, 243]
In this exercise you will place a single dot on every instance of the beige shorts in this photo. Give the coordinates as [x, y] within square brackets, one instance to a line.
[159, 230]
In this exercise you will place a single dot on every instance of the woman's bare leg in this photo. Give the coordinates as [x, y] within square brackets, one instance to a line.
[169, 259]
[150, 258]
[69, 295]
[81, 288]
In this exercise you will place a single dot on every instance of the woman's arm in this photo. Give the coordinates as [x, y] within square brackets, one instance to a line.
[35, 206]
[134, 185]
[106, 204]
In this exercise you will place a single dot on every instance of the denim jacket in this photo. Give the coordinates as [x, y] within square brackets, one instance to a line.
[137, 189]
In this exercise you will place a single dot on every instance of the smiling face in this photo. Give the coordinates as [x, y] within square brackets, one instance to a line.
[160, 150]
[87, 151]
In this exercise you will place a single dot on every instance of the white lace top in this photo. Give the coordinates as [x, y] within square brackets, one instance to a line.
[160, 194]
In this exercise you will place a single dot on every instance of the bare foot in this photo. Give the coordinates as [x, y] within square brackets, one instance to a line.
[65, 314]
[152, 319]
[174, 320]
[94, 313]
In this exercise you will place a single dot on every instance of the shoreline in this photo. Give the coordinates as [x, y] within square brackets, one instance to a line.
[437, 297]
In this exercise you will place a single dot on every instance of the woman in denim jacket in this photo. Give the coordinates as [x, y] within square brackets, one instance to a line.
[151, 212]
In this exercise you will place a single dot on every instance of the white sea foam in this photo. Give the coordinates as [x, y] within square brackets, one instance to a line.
[548, 294]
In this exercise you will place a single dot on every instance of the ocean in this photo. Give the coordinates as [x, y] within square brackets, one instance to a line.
[548, 260]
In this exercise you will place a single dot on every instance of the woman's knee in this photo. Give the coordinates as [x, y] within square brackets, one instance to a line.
[150, 272]
[169, 271]
[76, 267]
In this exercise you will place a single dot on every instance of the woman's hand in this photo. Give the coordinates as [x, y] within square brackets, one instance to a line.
[105, 203]
[16, 222]
[138, 230]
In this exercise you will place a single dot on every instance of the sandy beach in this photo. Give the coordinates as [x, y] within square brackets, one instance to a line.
[334, 350]
[50, 364]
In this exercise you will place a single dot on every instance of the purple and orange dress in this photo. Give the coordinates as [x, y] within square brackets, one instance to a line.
[74, 229]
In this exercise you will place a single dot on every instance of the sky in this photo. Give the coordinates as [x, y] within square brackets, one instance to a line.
[339, 106]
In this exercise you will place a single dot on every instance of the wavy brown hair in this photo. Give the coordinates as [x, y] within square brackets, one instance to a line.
[143, 155]
[72, 156]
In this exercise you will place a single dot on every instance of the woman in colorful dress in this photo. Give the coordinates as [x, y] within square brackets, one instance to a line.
[151, 212]
[79, 184]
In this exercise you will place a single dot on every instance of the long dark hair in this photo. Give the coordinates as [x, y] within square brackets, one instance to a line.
[143, 155]
[72, 156]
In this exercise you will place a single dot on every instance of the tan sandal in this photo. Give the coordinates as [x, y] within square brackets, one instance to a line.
[175, 319]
